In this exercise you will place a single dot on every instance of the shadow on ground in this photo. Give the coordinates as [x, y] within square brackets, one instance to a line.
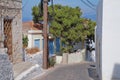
[116, 72]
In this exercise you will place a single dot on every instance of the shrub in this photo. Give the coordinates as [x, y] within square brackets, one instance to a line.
[25, 41]
[51, 61]
[32, 50]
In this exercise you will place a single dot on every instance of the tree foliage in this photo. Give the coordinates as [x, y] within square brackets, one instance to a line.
[67, 24]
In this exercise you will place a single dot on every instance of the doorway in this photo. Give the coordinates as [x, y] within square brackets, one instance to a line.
[8, 36]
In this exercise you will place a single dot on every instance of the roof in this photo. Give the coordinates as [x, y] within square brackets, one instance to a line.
[30, 25]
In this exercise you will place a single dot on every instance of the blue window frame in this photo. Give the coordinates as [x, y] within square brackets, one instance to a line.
[51, 47]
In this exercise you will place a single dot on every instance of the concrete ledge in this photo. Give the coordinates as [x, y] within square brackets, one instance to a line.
[58, 59]
[76, 57]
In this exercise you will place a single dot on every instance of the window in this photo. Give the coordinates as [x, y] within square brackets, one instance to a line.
[37, 43]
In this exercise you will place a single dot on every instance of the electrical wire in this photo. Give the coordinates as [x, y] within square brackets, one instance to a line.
[88, 5]
[53, 12]
[91, 3]
[52, 5]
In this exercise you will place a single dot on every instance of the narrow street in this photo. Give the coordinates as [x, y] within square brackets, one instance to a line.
[79, 71]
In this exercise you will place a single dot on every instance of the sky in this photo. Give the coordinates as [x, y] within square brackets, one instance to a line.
[88, 12]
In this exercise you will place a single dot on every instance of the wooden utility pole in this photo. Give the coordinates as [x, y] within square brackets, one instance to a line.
[45, 34]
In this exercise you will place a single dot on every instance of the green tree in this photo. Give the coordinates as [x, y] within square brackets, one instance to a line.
[67, 24]
[37, 12]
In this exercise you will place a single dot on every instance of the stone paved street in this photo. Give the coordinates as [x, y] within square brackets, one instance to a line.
[67, 72]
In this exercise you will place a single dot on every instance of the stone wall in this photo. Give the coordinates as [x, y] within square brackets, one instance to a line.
[36, 58]
[6, 72]
[12, 9]
[76, 57]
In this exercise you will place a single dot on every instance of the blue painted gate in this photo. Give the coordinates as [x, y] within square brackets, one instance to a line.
[51, 47]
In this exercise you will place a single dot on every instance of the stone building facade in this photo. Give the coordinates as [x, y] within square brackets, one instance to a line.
[11, 28]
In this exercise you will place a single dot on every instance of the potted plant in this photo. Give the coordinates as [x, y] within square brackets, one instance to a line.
[25, 44]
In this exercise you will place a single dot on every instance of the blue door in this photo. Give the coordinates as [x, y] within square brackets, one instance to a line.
[57, 44]
[37, 43]
[51, 47]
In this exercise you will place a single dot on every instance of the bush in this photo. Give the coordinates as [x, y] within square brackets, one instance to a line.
[51, 61]
[25, 41]
[32, 50]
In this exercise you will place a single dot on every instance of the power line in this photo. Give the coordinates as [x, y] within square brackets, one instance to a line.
[53, 12]
[91, 3]
[52, 5]
[88, 5]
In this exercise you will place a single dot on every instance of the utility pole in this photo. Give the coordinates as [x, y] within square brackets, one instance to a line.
[45, 34]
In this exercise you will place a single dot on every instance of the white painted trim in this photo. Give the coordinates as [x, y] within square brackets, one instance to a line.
[29, 41]
[34, 31]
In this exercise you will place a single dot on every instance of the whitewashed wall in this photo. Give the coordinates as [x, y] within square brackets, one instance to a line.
[32, 35]
[98, 40]
[109, 20]
[29, 40]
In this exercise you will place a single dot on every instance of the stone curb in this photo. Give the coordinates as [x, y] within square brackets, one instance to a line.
[24, 74]
[44, 73]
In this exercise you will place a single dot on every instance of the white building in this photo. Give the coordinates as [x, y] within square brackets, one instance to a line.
[107, 40]
[35, 39]
[34, 33]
